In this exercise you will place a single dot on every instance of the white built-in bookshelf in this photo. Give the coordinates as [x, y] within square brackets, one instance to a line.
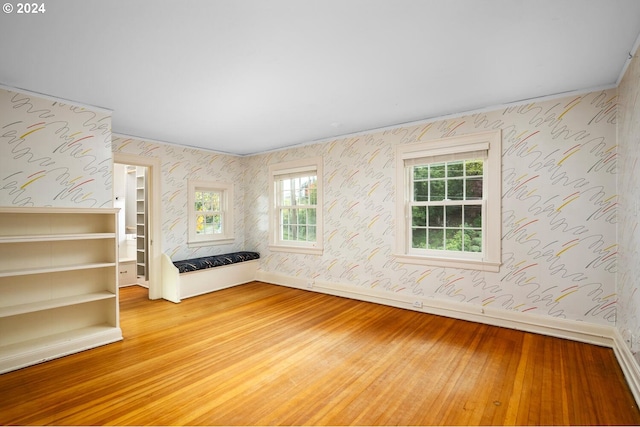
[58, 283]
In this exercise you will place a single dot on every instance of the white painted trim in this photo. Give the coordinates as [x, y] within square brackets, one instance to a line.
[628, 364]
[228, 225]
[155, 222]
[606, 336]
[313, 165]
[492, 212]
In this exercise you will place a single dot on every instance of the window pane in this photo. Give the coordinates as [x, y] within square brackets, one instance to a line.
[217, 224]
[454, 216]
[474, 188]
[473, 216]
[286, 194]
[455, 189]
[420, 172]
[302, 233]
[419, 238]
[286, 232]
[293, 217]
[297, 222]
[421, 191]
[311, 236]
[208, 224]
[454, 239]
[215, 201]
[295, 192]
[436, 216]
[200, 224]
[198, 201]
[436, 238]
[455, 169]
[419, 216]
[313, 195]
[207, 205]
[437, 170]
[437, 190]
[473, 241]
[474, 167]
[298, 191]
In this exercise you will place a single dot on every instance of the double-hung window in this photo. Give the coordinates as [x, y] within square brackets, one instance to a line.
[296, 206]
[449, 205]
[210, 213]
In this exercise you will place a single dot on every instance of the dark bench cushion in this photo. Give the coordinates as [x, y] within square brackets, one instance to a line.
[214, 261]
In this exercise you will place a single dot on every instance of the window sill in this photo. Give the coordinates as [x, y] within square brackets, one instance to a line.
[296, 249]
[465, 264]
[199, 244]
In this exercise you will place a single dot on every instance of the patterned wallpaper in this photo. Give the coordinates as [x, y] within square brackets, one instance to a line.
[53, 154]
[180, 164]
[629, 210]
[558, 205]
[559, 200]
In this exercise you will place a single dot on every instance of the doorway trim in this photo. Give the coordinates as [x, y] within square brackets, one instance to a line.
[155, 243]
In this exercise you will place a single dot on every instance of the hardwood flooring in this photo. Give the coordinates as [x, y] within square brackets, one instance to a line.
[261, 354]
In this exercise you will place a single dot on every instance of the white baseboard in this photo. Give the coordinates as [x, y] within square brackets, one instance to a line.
[607, 336]
[628, 364]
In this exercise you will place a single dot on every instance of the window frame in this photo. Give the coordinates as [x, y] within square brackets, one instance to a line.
[292, 168]
[438, 151]
[226, 210]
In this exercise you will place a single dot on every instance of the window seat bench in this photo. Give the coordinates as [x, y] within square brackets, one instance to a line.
[197, 276]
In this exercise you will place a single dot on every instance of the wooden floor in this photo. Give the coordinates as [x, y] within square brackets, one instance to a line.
[262, 354]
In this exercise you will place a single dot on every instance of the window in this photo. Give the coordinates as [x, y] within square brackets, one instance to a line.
[210, 213]
[449, 202]
[296, 206]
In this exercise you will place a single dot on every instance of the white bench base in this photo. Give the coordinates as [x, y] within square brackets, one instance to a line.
[177, 286]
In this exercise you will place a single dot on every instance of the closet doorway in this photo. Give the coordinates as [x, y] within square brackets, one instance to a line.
[135, 187]
[130, 196]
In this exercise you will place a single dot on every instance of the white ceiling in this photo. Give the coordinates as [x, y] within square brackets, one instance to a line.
[247, 76]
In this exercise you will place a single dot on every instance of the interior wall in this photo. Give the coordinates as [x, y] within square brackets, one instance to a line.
[559, 200]
[558, 211]
[53, 154]
[629, 208]
[178, 165]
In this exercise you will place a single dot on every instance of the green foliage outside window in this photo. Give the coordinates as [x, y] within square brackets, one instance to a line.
[208, 206]
[299, 197]
[446, 213]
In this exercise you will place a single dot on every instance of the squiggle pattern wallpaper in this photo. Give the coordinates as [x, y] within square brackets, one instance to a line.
[53, 154]
[568, 233]
[559, 209]
[629, 208]
[179, 165]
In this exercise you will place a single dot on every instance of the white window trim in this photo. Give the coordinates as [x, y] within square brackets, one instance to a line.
[228, 235]
[295, 166]
[492, 220]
